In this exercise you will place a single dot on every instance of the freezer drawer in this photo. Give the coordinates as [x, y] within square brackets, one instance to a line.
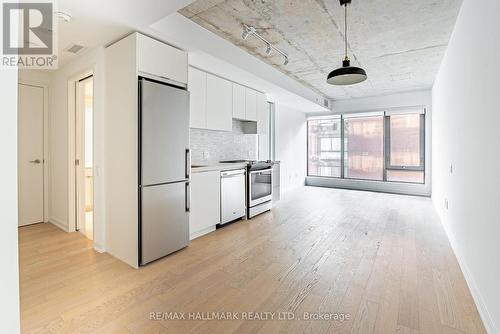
[164, 133]
[233, 190]
[164, 220]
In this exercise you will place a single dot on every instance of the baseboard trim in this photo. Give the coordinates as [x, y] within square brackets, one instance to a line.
[411, 189]
[200, 233]
[58, 223]
[99, 248]
[476, 294]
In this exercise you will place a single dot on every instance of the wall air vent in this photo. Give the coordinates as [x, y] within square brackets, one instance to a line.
[326, 103]
[74, 48]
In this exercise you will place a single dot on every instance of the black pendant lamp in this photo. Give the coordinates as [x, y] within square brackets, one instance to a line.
[347, 74]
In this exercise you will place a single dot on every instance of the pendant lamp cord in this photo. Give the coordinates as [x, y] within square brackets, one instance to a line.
[345, 31]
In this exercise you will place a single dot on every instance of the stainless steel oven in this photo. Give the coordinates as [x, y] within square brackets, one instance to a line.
[260, 189]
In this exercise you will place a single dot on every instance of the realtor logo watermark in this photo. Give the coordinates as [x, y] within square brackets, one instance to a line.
[28, 35]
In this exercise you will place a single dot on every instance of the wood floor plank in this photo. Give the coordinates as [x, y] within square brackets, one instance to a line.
[366, 317]
[381, 261]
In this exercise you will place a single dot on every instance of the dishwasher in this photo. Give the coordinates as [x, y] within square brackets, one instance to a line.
[232, 193]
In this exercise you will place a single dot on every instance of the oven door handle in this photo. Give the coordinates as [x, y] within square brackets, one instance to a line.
[232, 173]
[262, 171]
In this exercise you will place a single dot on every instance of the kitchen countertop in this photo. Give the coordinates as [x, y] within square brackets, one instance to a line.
[218, 167]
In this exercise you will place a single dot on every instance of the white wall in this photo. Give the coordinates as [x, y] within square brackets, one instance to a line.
[35, 76]
[385, 103]
[466, 103]
[9, 279]
[59, 187]
[290, 133]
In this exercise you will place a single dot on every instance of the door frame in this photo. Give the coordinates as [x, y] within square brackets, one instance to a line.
[72, 177]
[46, 154]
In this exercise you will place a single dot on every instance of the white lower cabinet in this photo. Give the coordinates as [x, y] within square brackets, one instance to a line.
[205, 203]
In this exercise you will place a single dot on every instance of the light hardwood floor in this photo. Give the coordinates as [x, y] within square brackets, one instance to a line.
[383, 260]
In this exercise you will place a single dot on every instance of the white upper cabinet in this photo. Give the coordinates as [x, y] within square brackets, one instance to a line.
[219, 103]
[262, 114]
[215, 101]
[263, 126]
[239, 104]
[197, 86]
[211, 101]
[161, 60]
[251, 104]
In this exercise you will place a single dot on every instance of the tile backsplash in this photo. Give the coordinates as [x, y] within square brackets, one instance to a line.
[209, 146]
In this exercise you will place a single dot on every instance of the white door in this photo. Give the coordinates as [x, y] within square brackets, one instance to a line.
[30, 154]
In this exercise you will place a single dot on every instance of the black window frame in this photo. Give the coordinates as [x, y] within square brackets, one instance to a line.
[386, 147]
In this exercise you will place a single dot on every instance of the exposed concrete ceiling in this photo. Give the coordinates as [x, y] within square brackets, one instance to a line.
[399, 43]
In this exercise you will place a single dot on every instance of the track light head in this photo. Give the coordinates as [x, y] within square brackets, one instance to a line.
[66, 17]
[247, 31]
[268, 49]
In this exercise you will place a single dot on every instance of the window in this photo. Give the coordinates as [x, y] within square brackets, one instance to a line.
[405, 161]
[384, 146]
[324, 147]
[364, 148]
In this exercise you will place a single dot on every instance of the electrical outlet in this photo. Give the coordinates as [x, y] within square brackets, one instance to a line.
[446, 205]
[206, 155]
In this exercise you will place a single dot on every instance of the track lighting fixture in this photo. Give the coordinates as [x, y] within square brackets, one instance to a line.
[251, 31]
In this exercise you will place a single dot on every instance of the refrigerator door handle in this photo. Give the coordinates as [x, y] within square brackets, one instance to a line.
[188, 163]
[188, 198]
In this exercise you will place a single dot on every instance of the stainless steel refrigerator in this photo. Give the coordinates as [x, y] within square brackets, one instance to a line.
[164, 169]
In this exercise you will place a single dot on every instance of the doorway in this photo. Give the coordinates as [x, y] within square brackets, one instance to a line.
[31, 153]
[84, 164]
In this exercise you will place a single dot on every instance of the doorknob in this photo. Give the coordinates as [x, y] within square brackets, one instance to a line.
[36, 161]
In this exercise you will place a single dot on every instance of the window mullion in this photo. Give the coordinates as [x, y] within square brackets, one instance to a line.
[387, 145]
[342, 145]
